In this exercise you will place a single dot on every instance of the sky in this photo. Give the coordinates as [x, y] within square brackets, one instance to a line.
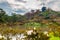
[23, 6]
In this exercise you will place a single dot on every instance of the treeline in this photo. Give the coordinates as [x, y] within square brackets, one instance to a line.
[5, 18]
[32, 16]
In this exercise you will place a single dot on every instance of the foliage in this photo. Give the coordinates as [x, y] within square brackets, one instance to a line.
[52, 37]
[32, 24]
[35, 16]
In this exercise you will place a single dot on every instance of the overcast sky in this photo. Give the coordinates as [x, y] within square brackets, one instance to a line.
[23, 6]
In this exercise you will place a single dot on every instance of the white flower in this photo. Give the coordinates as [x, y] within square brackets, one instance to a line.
[45, 32]
[22, 36]
[2, 37]
[48, 35]
[34, 28]
[13, 38]
[29, 32]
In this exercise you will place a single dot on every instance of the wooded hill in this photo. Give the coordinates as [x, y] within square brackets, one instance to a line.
[34, 16]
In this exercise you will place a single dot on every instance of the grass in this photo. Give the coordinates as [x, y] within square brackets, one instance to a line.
[53, 33]
[54, 38]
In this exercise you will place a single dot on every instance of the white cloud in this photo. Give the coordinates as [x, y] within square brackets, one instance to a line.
[2, 1]
[28, 5]
[33, 4]
[15, 4]
[55, 5]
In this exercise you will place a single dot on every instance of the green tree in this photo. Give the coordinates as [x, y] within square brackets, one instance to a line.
[2, 15]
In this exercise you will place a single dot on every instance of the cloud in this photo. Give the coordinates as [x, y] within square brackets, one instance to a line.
[2, 1]
[14, 3]
[54, 5]
[5, 6]
[26, 5]
[20, 4]
[34, 4]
